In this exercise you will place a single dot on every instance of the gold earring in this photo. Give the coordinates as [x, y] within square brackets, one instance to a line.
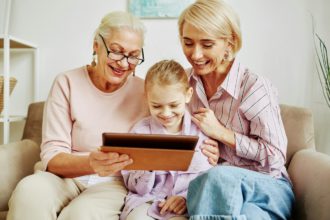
[94, 61]
[226, 56]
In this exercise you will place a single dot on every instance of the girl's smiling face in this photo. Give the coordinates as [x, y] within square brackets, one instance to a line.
[167, 104]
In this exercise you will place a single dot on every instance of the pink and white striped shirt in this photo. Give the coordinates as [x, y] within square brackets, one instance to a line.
[246, 104]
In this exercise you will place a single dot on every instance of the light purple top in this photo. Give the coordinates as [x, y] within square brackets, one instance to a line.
[155, 186]
[247, 104]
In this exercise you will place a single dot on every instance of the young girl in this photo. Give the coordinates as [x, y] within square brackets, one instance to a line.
[162, 194]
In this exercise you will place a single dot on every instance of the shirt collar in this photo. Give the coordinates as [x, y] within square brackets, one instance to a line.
[232, 82]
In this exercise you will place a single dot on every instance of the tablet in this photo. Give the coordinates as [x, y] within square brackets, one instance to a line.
[152, 151]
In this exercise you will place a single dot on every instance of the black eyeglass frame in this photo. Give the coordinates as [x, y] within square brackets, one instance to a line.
[140, 60]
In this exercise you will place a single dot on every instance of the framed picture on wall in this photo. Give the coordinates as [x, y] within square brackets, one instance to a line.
[157, 8]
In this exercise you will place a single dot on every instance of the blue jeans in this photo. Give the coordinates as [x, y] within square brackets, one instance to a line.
[226, 192]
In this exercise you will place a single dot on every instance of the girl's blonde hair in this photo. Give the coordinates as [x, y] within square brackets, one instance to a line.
[117, 20]
[216, 18]
[166, 72]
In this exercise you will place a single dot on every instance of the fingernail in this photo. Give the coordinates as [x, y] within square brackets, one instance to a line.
[113, 155]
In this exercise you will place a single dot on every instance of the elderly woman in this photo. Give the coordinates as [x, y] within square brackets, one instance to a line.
[78, 182]
[240, 110]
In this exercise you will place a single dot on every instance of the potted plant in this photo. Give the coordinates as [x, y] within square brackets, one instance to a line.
[323, 68]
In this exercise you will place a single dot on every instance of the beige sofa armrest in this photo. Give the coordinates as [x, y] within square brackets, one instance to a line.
[310, 174]
[33, 124]
[16, 161]
[298, 124]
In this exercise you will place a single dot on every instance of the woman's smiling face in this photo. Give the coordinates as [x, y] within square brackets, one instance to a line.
[122, 41]
[204, 52]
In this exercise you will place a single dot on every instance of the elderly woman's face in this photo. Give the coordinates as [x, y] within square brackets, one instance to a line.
[120, 42]
[204, 52]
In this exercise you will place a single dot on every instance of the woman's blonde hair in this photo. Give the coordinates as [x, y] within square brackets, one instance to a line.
[117, 20]
[166, 72]
[216, 18]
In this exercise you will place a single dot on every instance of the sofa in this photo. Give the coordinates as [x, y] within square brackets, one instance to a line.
[309, 170]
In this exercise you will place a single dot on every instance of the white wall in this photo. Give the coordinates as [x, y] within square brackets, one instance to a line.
[2, 16]
[277, 43]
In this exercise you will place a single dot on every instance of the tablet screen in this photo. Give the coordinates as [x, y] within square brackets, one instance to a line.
[160, 141]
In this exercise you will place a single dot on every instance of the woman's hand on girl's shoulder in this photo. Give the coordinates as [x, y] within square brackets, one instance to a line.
[206, 120]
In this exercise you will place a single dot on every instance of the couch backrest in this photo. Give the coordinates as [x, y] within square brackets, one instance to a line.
[33, 124]
[298, 124]
[299, 128]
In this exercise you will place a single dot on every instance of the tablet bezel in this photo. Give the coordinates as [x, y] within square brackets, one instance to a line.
[153, 141]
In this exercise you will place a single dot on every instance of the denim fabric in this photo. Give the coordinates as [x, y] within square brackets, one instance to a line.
[226, 192]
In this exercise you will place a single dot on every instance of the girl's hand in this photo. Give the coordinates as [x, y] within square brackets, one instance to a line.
[205, 119]
[175, 204]
[211, 150]
[105, 164]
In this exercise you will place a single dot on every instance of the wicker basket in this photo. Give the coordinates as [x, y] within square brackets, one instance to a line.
[12, 83]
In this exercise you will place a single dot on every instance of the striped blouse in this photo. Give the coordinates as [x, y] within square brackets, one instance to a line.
[247, 104]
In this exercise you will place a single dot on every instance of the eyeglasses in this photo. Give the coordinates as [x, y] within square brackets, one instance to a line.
[119, 56]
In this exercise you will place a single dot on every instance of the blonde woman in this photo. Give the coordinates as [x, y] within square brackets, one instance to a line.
[240, 110]
[77, 181]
